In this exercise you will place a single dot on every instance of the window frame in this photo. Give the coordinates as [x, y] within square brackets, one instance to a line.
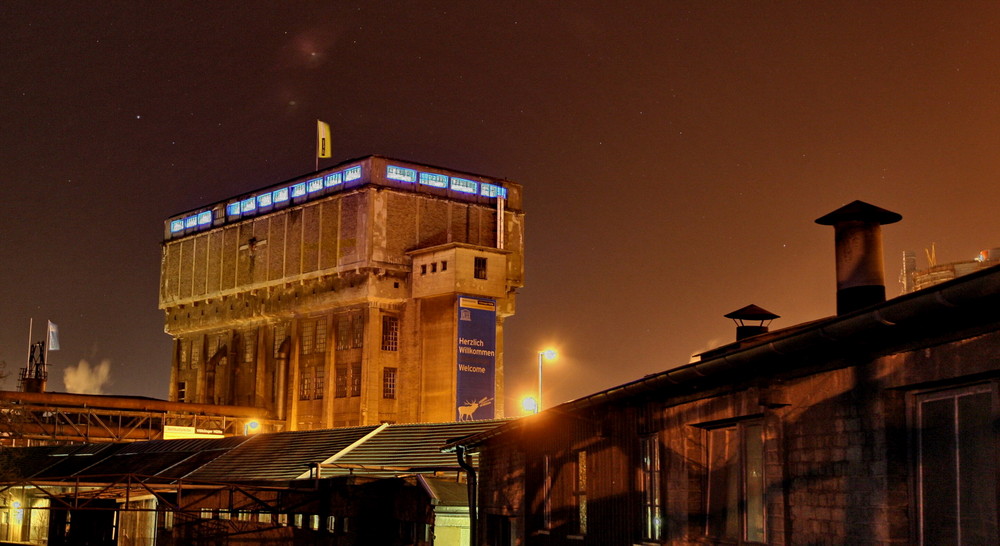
[319, 381]
[579, 493]
[954, 393]
[547, 492]
[739, 460]
[479, 267]
[320, 339]
[390, 377]
[650, 476]
[390, 333]
[307, 337]
[341, 373]
[357, 330]
[354, 380]
[305, 383]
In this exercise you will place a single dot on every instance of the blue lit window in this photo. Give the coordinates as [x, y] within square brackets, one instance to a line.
[492, 190]
[298, 190]
[205, 218]
[315, 184]
[176, 225]
[233, 209]
[280, 195]
[353, 173]
[436, 180]
[393, 172]
[248, 205]
[463, 185]
[191, 221]
[264, 200]
[333, 180]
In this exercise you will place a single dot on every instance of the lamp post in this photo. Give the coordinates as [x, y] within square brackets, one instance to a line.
[542, 356]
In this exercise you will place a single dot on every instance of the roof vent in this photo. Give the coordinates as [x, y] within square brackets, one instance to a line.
[758, 318]
[860, 268]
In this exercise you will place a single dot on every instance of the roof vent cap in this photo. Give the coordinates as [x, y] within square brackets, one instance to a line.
[751, 321]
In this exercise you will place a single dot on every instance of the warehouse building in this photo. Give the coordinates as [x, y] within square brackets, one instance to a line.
[874, 426]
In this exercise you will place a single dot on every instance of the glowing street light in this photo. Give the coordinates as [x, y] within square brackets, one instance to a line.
[251, 427]
[548, 354]
[529, 404]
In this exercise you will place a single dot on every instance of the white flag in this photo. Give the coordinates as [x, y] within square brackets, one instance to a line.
[53, 336]
[322, 139]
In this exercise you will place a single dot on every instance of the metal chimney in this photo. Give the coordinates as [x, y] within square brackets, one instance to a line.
[860, 267]
[751, 313]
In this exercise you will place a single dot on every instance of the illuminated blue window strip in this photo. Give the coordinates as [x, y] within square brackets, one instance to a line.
[333, 180]
[434, 180]
[463, 185]
[393, 172]
[492, 190]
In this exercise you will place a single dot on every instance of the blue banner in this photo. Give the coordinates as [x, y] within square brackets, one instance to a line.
[477, 357]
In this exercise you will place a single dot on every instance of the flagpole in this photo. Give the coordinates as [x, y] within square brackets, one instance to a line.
[31, 322]
[48, 338]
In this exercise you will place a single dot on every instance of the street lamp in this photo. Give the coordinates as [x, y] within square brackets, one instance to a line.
[548, 354]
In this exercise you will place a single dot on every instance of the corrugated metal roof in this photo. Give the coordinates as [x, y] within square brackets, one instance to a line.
[372, 450]
[279, 455]
[144, 464]
[61, 463]
[29, 461]
[411, 446]
[188, 445]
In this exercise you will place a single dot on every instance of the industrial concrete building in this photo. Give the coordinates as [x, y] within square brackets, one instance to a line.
[371, 292]
[911, 278]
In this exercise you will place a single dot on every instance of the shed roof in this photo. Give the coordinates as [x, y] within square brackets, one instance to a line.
[280, 455]
[929, 316]
[377, 450]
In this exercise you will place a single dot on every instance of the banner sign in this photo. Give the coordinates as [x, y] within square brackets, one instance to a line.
[174, 432]
[477, 357]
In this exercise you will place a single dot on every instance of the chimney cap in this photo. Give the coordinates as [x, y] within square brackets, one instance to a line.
[751, 312]
[859, 211]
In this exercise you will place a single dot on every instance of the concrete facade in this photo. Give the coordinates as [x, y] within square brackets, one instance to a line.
[338, 305]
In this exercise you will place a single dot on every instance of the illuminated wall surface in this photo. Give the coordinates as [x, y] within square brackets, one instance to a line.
[333, 300]
[341, 178]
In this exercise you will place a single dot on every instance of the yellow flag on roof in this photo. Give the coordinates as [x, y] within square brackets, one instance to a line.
[322, 139]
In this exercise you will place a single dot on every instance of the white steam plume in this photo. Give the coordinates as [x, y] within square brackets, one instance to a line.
[84, 379]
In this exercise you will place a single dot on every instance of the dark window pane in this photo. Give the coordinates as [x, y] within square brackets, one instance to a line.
[977, 504]
[754, 468]
[723, 486]
[938, 472]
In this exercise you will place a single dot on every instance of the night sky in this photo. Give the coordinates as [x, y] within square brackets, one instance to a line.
[673, 154]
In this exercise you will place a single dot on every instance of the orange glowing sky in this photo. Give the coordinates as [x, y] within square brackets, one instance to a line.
[674, 154]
